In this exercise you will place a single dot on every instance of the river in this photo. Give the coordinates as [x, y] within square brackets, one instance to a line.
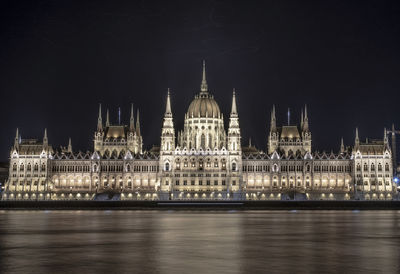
[220, 241]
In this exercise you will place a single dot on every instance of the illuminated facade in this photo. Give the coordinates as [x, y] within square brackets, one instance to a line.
[202, 161]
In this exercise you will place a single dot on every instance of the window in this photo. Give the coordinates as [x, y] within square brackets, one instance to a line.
[185, 183]
[177, 182]
[233, 166]
[223, 182]
[365, 167]
[167, 166]
[379, 167]
[386, 167]
[215, 183]
[208, 182]
[192, 183]
[358, 167]
[21, 168]
[200, 183]
[233, 182]
[203, 141]
[372, 167]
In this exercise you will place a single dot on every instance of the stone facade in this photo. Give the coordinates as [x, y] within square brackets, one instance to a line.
[202, 161]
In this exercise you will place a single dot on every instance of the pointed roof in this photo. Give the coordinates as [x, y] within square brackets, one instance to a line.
[341, 146]
[305, 119]
[204, 86]
[273, 119]
[132, 120]
[137, 123]
[69, 145]
[99, 120]
[108, 119]
[234, 108]
[357, 139]
[168, 104]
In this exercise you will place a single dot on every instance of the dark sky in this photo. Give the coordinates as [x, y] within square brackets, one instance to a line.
[59, 60]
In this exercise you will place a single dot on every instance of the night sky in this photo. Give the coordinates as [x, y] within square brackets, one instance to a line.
[58, 61]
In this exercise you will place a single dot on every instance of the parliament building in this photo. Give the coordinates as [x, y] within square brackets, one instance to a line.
[201, 161]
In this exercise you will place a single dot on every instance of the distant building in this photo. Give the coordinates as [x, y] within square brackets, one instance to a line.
[200, 161]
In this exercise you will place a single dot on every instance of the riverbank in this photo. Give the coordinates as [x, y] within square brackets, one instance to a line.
[241, 205]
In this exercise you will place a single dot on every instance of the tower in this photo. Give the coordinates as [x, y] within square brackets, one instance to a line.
[45, 140]
[234, 146]
[394, 152]
[356, 140]
[16, 140]
[99, 134]
[167, 131]
[273, 137]
[306, 133]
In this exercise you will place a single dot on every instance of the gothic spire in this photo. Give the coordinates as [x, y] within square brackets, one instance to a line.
[16, 140]
[305, 122]
[168, 105]
[341, 146]
[385, 137]
[107, 119]
[132, 120]
[301, 119]
[45, 140]
[99, 120]
[273, 119]
[234, 109]
[137, 123]
[204, 86]
[69, 149]
[357, 139]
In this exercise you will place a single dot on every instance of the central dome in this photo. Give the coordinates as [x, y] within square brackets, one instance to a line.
[204, 105]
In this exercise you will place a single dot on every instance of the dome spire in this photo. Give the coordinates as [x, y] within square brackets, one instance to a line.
[204, 86]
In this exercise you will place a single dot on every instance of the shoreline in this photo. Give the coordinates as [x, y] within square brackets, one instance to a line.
[200, 205]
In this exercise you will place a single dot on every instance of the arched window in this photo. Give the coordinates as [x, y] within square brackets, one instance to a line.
[36, 167]
[386, 167]
[29, 167]
[167, 166]
[203, 141]
[379, 167]
[358, 167]
[233, 166]
[365, 167]
[372, 167]
[14, 167]
[128, 168]
[21, 168]
[43, 167]
[308, 168]
[209, 141]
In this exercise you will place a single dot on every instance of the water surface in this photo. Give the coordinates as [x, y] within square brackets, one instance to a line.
[199, 241]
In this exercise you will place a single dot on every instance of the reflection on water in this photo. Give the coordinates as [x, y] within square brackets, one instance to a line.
[199, 241]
